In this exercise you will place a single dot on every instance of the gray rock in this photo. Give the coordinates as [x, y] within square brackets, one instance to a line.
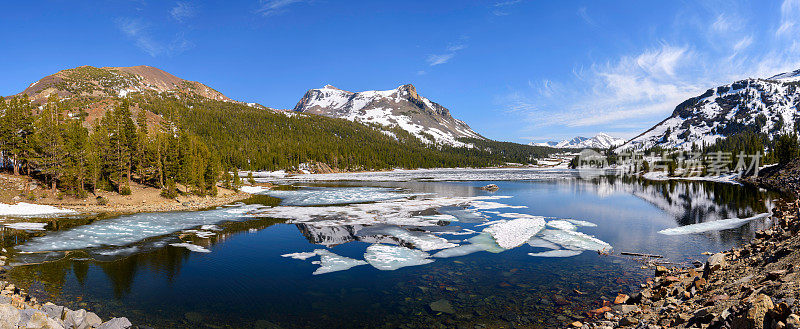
[39, 320]
[116, 323]
[53, 311]
[9, 316]
[91, 320]
[5, 300]
[442, 306]
[26, 315]
[73, 319]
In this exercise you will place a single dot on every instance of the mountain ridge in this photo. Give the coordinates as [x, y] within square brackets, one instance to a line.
[401, 107]
[767, 106]
[601, 140]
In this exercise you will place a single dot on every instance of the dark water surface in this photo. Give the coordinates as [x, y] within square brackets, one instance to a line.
[243, 282]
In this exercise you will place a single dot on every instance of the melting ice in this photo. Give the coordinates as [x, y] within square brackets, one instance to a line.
[314, 196]
[390, 258]
[128, 229]
[717, 225]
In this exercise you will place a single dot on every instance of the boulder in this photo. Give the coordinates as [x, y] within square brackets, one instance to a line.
[40, 320]
[54, 311]
[91, 320]
[442, 306]
[26, 314]
[714, 263]
[74, 318]
[9, 316]
[754, 317]
[116, 323]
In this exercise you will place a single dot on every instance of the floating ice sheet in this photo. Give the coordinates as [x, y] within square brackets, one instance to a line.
[314, 196]
[192, 247]
[717, 225]
[301, 255]
[330, 262]
[537, 242]
[581, 223]
[562, 225]
[390, 258]
[394, 212]
[574, 240]
[420, 240]
[128, 229]
[556, 253]
[515, 232]
[454, 174]
[480, 242]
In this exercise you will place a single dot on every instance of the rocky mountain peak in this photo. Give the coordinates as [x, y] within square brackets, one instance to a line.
[402, 107]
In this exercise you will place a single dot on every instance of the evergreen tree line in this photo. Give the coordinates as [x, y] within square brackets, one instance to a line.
[53, 144]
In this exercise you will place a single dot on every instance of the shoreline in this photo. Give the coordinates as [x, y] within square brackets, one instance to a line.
[756, 285]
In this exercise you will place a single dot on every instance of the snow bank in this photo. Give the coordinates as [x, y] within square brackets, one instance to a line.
[254, 189]
[30, 209]
[717, 225]
[26, 226]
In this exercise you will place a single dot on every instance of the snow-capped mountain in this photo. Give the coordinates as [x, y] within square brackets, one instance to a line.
[601, 141]
[766, 105]
[401, 107]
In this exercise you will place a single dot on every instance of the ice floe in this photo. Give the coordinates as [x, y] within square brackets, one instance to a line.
[390, 258]
[420, 240]
[394, 212]
[556, 253]
[191, 247]
[24, 209]
[301, 255]
[449, 174]
[574, 240]
[581, 223]
[717, 225]
[537, 242]
[313, 196]
[480, 242]
[128, 229]
[516, 232]
[330, 262]
[562, 225]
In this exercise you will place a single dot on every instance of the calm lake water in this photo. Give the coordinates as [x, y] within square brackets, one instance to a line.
[234, 275]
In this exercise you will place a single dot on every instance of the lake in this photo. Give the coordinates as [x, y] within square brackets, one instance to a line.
[408, 249]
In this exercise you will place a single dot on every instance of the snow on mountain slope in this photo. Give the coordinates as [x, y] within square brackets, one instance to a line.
[601, 140]
[769, 106]
[401, 107]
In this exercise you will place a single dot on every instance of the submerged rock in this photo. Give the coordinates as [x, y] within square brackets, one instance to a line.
[442, 306]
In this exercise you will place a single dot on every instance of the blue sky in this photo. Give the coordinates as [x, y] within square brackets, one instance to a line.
[515, 70]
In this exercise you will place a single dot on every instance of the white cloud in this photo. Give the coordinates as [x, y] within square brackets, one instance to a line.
[183, 10]
[501, 8]
[584, 15]
[438, 59]
[139, 31]
[272, 7]
[631, 92]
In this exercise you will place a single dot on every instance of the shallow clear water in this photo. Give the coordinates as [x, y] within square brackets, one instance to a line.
[245, 282]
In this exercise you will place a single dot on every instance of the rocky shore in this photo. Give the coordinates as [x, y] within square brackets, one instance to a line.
[18, 310]
[754, 286]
